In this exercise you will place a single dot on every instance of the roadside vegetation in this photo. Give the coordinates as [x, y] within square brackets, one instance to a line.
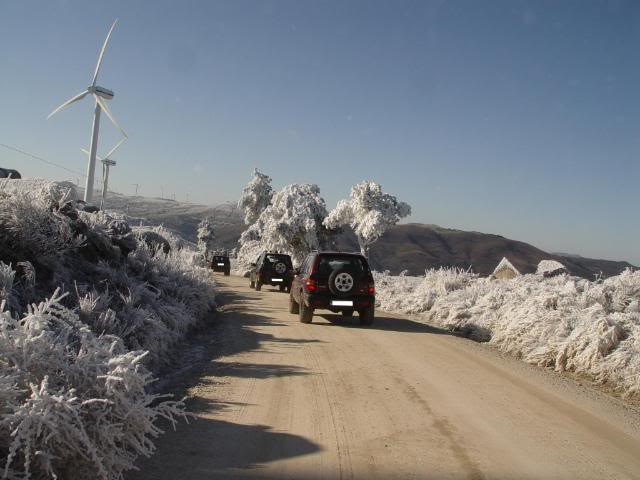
[566, 323]
[90, 308]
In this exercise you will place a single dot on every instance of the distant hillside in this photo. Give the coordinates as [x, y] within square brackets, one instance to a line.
[413, 247]
[182, 217]
[416, 247]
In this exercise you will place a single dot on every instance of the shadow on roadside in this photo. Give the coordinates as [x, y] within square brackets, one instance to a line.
[208, 448]
[382, 322]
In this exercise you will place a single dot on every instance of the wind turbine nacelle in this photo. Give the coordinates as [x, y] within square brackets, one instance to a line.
[102, 92]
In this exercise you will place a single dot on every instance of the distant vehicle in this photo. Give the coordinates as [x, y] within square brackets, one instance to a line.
[271, 269]
[220, 263]
[335, 281]
[9, 173]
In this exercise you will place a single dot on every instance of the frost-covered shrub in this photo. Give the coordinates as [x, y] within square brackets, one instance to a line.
[561, 322]
[74, 371]
[74, 404]
[417, 294]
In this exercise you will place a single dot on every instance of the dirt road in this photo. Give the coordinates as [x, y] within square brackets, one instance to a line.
[279, 399]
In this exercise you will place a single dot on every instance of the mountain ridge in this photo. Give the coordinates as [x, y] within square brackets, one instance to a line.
[411, 247]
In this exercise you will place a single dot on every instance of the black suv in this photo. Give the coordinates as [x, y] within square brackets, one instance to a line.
[220, 263]
[340, 282]
[271, 269]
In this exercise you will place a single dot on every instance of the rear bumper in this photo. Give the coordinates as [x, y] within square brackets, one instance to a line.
[270, 281]
[323, 301]
[217, 268]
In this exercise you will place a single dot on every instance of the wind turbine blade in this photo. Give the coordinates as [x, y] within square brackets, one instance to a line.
[104, 107]
[87, 153]
[104, 47]
[79, 96]
[108, 155]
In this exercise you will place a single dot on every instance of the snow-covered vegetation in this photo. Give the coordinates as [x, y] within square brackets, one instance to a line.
[206, 237]
[89, 309]
[291, 221]
[561, 322]
[256, 196]
[369, 211]
[295, 220]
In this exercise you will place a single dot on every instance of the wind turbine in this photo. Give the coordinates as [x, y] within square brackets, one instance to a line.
[106, 163]
[100, 94]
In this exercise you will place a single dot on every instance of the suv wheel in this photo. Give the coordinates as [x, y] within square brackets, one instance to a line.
[227, 273]
[306, 313]
[293, 305]
[347, 313]
[252, 284]
[282, 288]
[258, 285]
[342, 282]
[366, 315]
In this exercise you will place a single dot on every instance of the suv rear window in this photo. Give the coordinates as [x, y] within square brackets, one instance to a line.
[271, 259]
[328, 263]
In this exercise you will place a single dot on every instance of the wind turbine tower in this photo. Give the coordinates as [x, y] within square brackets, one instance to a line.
[106, 163]
[100, 94]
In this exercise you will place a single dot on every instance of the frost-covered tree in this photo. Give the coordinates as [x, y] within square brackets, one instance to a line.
[369, 211]
[256, 196]
[291, 224]
[205, 237]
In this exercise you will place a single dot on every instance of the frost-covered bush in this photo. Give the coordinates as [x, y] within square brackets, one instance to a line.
[74, 371]
[369, 211]
[413, 295]
[74, 404]
[561, 322]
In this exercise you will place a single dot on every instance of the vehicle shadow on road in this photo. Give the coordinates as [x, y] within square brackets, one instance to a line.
[209, 449]
[382, 322]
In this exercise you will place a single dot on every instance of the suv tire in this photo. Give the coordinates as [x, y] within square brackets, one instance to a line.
[293, 305]
[258, 285]
[367, 315]
[252, 284]
[347, 313]
[282, 288]
[306, 313]
[227, 273]
[342, 282]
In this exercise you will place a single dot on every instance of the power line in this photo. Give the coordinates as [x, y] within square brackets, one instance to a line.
[9, 147]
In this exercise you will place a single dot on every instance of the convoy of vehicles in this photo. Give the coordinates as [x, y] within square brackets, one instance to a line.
[335, 281]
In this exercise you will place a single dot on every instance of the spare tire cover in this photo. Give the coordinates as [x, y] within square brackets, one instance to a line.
[342, 282]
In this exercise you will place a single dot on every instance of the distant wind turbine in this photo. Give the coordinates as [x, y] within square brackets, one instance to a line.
[100, 94]
[106, 163]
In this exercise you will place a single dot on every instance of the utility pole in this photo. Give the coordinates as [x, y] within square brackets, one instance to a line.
[136, 185]
[162, 193]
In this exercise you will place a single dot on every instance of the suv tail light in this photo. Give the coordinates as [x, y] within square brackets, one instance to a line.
[371, 289]
[310, 285]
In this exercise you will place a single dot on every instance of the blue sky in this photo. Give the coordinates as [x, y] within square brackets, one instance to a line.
[520, 118]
